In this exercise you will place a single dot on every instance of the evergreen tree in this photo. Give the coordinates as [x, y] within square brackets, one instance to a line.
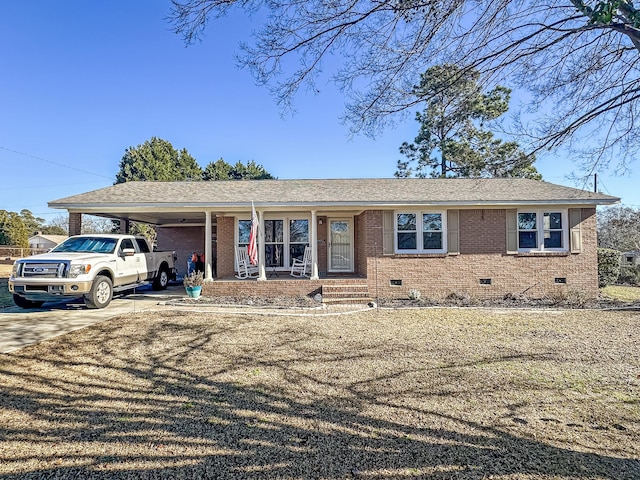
[156, 159]
[452, 140]
[221, 170]
[13, 230]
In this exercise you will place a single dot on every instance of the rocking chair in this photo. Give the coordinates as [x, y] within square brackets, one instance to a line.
[302, 268]
[244, 269]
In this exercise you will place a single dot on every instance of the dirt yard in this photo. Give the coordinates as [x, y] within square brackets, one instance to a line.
[428, 393]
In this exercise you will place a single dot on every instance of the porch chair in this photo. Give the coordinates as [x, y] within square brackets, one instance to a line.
[302, 268]
[244, 269]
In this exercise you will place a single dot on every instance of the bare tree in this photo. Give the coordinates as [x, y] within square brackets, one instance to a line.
[579, 59]
[619, 228]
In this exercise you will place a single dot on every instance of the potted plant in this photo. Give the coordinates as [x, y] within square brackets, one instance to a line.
[193, 284]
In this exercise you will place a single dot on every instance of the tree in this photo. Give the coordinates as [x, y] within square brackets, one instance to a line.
[156, 159]
[451, 140]
[31, 223]
[221, 170]
[619, 228]
[59, 224]
[218, 170]
[13, 230]
[578, 58]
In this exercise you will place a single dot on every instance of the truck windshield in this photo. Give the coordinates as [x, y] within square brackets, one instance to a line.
[87, 245]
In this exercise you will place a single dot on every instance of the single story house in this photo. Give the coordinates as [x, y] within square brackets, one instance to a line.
[41, 241]
[370, 238]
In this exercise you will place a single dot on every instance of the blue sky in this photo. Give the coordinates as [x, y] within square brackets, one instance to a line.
[82, 81]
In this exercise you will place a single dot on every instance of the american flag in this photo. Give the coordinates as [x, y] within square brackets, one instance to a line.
[252, 249]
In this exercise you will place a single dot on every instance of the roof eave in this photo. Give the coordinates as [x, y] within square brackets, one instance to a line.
[324, 205]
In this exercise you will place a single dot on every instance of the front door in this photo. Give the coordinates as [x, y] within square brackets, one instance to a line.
[341, 245]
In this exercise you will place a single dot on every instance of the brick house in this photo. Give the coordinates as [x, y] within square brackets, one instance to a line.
[375, 238]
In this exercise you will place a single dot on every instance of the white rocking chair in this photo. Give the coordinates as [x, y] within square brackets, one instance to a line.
[302, 268]
[244, 269]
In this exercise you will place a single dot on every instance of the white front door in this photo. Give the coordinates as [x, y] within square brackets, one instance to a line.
[340, 245]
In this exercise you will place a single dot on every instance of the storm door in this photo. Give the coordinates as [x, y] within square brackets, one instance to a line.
[340, 245]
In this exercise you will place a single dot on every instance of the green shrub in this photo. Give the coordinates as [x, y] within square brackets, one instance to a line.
[608, 266]
[629, 275]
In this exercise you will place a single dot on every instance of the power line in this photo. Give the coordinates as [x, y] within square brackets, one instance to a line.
[54, 163]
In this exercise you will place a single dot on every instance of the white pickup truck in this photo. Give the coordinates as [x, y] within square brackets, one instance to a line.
[90, 266]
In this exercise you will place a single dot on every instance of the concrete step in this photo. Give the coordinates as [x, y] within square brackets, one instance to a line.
[345, 293]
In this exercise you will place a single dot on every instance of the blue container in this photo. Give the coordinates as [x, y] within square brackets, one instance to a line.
[193, 292]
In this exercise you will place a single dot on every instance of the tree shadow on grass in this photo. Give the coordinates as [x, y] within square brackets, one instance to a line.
[115, 414]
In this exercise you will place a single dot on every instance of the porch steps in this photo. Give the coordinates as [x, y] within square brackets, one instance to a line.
[345, 293]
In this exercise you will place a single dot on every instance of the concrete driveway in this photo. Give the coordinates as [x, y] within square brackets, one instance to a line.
[22, 327]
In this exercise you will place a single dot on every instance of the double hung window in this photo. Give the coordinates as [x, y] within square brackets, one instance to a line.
[284, 239]
[542, 230]
[420, 232]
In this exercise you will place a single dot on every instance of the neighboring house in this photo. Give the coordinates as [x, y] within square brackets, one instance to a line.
[42, 241]
[630, 259]
[376, 238]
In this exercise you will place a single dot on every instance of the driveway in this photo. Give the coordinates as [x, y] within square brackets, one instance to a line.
[22, 327]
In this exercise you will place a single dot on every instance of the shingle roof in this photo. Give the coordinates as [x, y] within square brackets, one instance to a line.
[335, 192]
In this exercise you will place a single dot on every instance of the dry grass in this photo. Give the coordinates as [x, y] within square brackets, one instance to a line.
[621, 293]
[429, 393]
[5, 270]
[5, 296]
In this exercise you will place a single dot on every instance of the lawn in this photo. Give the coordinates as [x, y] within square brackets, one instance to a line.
[423, 393]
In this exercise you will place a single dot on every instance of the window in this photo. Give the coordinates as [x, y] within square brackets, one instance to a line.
[542, 230]
[420, 232]
[142, 245]
[273, 242]
[298, 238]
[284, 239]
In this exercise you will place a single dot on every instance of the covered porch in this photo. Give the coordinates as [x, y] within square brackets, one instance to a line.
[331, 237]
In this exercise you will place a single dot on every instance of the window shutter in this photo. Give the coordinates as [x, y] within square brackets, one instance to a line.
[512, 231]
[453, 232]
[387, 232]
[575, 221]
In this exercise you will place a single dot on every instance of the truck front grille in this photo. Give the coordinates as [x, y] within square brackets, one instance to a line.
[44, 270]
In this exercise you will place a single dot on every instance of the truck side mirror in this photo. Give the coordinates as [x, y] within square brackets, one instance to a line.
[127, 252]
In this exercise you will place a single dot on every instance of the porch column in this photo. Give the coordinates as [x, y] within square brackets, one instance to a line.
[314, 245]
[262, 271]
[208, 276]
[75, 223]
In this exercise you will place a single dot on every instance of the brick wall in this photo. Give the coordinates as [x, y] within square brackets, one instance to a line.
[184, 241]
[226, 252]
[75, 223]
[483, 256]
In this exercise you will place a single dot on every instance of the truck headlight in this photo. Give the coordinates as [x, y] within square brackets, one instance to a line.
[14, 269]
[76, 270]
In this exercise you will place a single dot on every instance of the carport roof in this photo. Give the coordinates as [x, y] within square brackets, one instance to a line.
[229, 196]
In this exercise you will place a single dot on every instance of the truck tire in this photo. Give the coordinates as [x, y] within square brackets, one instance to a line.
[101, 293]
[24, 303]
[162, 279]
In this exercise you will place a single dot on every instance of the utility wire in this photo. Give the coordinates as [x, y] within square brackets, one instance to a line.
[54, 163]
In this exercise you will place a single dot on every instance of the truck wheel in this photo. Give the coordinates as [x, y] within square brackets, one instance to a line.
[24, 303]
[100, 294]
[162, 280]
